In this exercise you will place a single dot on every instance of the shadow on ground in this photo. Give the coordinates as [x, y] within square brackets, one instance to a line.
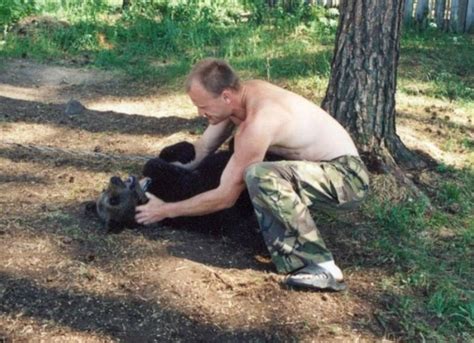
[14, 111]
[123, 318]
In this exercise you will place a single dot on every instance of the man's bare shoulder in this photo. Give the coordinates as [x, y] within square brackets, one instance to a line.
[261, 86]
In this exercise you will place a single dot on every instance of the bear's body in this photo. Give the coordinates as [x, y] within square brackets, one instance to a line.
[171, 183]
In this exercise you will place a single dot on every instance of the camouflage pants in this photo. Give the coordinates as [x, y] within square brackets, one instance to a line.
[282, 193]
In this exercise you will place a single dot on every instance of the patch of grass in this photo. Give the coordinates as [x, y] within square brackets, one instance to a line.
[177, 34]
[437, 64]
[430, 254]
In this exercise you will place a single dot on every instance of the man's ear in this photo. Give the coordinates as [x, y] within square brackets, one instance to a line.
[226, 95]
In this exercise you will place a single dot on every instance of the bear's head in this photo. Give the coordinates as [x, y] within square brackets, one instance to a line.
[116, 204]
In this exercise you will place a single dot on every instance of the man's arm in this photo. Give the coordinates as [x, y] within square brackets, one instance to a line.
[250, 147]
[209, 142]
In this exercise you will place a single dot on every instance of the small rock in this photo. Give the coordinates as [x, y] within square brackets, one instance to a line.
[67, 240]
[74, 107]
[90, 257]
[454, 208]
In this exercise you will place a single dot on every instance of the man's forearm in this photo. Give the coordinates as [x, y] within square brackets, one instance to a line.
[201, 204]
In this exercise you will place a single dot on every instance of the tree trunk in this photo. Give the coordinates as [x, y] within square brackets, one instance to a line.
[361, 91]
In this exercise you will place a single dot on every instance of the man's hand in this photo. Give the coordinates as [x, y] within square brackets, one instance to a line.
[189, 166]
[151, 212]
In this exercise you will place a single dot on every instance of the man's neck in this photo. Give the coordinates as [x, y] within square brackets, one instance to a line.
[240, 111]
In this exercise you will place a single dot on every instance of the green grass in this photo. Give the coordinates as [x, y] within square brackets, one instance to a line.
[145, 38]
[439, 64]
[428, 252]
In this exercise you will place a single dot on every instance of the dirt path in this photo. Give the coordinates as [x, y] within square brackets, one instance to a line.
[61, 278]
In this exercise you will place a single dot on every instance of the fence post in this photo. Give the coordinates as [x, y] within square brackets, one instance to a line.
[454, 17]
[470, 16]
[462, 15]
[408, 15]
[440, 10]
[422, 10]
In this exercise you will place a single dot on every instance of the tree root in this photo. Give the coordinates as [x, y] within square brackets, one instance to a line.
[382, 161]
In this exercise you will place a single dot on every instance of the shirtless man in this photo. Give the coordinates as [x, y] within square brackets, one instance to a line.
[323, 169]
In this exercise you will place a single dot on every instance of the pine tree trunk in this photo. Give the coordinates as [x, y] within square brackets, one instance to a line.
[361, 91]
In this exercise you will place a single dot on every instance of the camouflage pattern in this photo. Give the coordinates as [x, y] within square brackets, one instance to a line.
[282, 193]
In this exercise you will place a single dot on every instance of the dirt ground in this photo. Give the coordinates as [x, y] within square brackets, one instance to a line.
[62, 279]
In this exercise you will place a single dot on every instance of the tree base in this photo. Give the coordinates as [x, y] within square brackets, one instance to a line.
[389, 158]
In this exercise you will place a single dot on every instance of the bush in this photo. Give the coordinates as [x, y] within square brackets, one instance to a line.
[13, 10]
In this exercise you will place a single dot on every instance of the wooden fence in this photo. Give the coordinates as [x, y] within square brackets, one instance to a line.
[448, 15]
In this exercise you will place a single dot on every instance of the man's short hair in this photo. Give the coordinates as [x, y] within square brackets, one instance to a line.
[214, 75]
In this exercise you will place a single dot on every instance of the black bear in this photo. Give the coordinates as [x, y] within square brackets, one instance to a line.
[116, 205]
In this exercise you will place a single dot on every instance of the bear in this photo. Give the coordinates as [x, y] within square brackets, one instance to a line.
[116, 204]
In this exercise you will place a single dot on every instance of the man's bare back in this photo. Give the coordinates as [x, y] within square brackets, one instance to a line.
[300, 129]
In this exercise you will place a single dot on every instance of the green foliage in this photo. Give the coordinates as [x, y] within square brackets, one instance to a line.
[429, 253]
[13, 10]
[439, 63]
[154, 39]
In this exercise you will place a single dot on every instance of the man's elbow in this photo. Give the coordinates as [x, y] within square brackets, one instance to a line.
[228, 201]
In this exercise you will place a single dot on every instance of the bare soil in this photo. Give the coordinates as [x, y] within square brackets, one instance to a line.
[62, 279]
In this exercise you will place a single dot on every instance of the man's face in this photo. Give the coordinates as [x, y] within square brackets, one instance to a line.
[215, 109]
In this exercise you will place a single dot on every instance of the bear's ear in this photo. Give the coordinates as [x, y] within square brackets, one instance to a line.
[180, 152]
[113, 226]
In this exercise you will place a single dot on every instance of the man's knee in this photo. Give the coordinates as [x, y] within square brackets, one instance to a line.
[256, 172]
[255, 175]
[250, 172]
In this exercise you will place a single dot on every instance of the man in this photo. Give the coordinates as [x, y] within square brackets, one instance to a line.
[322, 170]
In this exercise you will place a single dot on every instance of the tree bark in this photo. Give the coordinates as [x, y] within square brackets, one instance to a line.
[361, 90]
